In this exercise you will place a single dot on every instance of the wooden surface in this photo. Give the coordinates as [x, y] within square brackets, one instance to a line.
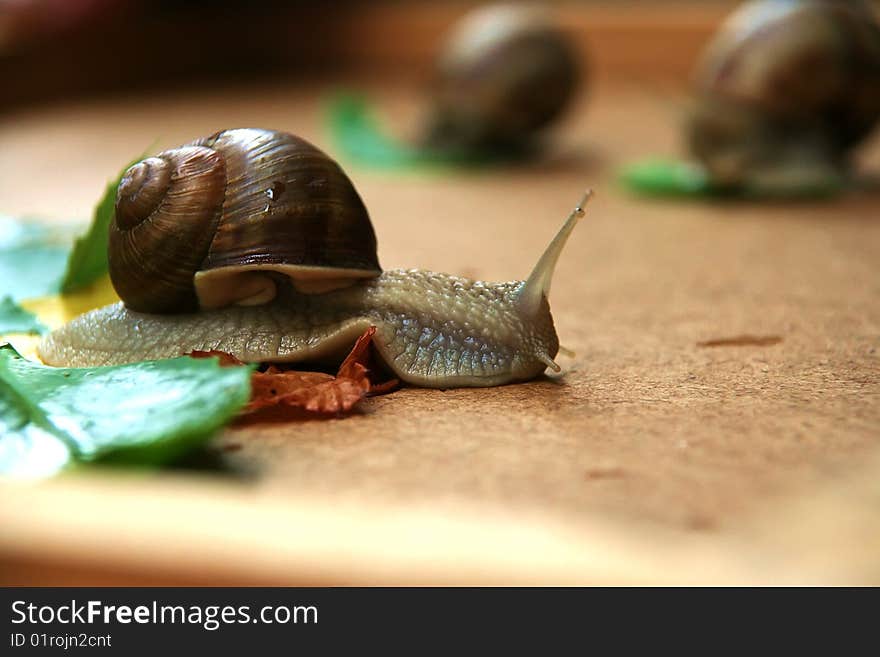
[718, 423]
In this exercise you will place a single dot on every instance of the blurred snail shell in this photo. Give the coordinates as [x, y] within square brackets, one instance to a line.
[204, 260]
[505, 72]
[218, 220]
[786, 85]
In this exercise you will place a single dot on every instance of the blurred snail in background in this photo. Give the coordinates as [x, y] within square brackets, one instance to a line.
[784, 93]
[505, 73]
[256, 243]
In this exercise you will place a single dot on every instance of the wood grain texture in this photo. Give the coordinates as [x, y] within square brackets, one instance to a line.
[652, 459]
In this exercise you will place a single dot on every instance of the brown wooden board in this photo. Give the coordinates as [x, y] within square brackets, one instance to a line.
[718, 423]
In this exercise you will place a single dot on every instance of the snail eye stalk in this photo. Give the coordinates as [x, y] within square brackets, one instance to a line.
[537, 286]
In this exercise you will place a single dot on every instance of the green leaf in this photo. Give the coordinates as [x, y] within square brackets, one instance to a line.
[15, 319]
[88, 260]
[32, 258]
[357, 133]
[675, 178]
[359, 137]
[26, 449]
[659, 177]
[147, 413]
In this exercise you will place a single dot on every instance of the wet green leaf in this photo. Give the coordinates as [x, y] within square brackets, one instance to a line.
[146, 413]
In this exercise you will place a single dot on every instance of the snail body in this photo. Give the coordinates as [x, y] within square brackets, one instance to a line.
[426, 331]
[504, 74]
[432, 329]
[784, 93]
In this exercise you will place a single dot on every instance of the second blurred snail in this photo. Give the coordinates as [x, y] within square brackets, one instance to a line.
[785, 92]
[505, 73]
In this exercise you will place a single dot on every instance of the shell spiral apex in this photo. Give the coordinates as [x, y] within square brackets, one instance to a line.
[141, 190]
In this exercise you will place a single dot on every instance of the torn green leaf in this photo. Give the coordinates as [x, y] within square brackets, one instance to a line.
[146, 413]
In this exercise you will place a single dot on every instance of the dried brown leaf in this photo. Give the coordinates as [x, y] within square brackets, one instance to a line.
[314, 392]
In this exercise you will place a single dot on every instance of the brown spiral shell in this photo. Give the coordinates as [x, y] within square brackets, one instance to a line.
[219, 220]
[504, 73]
[788, 72]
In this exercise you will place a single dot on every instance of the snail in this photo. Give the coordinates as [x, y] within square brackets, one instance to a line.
[785, 92]
[505, 73]
[256, 243]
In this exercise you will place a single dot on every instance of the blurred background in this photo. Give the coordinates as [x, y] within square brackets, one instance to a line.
[139, 74]
[51, 49]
